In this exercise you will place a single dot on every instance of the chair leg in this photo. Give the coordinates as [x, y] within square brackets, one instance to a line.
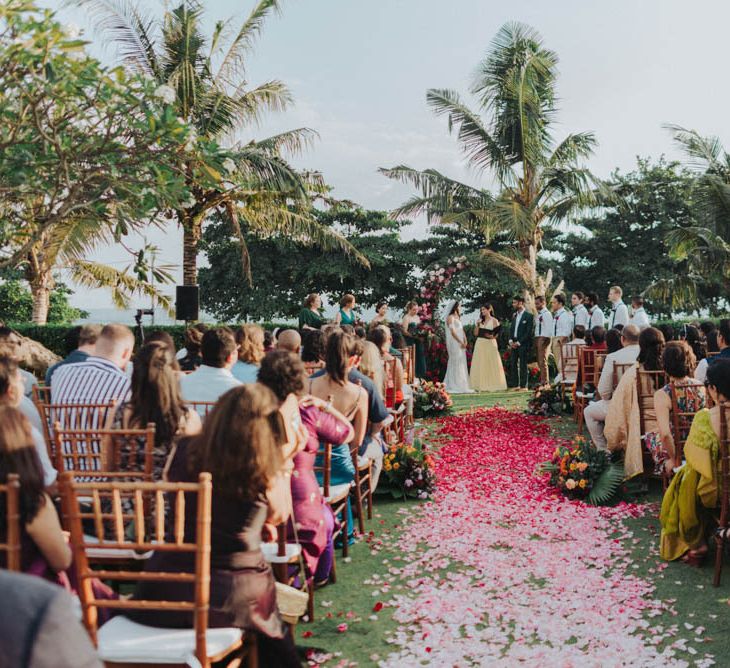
[252, 655]
[370, 491]
[357, 491]
[310, 599]
[720, 547]
[345, 530]
[333, 570]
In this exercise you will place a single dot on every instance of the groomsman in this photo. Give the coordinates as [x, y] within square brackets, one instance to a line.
[598, 318]
[580, 312]
[562, 328]
[520, 336]
[638, 314]
[619, 310]
[543, 334]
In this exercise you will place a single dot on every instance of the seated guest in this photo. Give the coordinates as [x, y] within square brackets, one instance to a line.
[80, 343]
[723, 341]
[313, 348]
[579, 336]
[598, 339]
[160, 336]
[691, 335]
[360, 332]
[706, 328]
[694, 487]
[613, 341]
[309, 317]
[667, 331]
[678, 362]
[371, 365]
[11, 395]
[382, 338]
[595, 413]
[638, 313]
[10, 345]
[269, 341]
[250, 340]
[283, 373]
[241, 447]
[189, 357]
[598, 344]
[213, 377]
[289, 340]
[623, 424]
[711, 346]
[156, 398]
[101, 378]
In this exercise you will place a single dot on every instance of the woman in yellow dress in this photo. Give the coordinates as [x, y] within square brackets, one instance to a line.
[487, 372]
[693, 492]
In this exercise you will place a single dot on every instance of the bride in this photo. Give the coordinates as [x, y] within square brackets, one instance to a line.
[457, 373]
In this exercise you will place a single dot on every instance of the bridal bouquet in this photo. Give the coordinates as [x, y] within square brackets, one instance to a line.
[430, 399]
[409, 469]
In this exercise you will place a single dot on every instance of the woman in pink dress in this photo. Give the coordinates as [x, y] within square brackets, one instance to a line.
[283, 373]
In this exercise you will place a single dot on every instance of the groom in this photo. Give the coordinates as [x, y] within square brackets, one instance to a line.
[520, 337]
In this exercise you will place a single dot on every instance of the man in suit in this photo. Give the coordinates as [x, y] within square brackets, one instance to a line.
[521, 330]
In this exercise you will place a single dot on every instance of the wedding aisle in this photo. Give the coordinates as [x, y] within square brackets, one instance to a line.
[499, 570]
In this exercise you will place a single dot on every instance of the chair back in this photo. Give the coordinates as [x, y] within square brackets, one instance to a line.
[687, 400]
[325, 467]
[10, 491]
[312, 367]
[74, 416]
[390, 367]
[619, 369]
[569, 361]
[647, 383]
[724, 464]
[105, 450]
[712, 354]
[202, 408]
[409, 363]
[591, 364]
[132, 526]
[41, 394]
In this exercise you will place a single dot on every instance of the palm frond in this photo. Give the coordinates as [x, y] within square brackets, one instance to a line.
[679, 291]
[607, 485]
[704, 152]
[573, 148]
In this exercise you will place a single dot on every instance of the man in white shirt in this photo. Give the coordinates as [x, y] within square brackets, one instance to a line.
[596, 412]
[597, 317]
[562, 328]
[581, 317]
[543, 334]
[213, 377]
[638, 314]
[619, 310]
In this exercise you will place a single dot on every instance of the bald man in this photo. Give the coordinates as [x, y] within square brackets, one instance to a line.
[289, 340]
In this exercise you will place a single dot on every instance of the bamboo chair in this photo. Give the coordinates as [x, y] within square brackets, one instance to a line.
[723, 524]
[202, 408]
[619, 369]
[681, 421]
[409, 363]
[363, 486]
[396, 431]
[41, 394]
[335, 496]
[590, 367]
[121, 641]
[569, 361]
[11, 491]
[73, 416]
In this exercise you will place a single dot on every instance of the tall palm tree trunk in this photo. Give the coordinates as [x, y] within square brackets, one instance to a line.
[192, 229]
[40, 289]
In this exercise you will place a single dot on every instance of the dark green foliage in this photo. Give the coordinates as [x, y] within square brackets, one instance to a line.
[16, 304]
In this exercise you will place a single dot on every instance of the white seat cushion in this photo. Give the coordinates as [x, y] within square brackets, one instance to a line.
[293, 550]
[362, 462]
[336, 491]
[123, 640]
[96, 553]
[585, 395]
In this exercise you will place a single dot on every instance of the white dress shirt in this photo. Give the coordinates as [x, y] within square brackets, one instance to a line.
[544, 323]
[624, 356]
[581, 316]
[598, 318]
[207, 383]
[619, 314]
[640, 318]
[562, 323]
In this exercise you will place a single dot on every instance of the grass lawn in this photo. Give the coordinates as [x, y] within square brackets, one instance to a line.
[364, 580]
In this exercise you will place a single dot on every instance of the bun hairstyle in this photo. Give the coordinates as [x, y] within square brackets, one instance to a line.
[340, 347]
[241, 443]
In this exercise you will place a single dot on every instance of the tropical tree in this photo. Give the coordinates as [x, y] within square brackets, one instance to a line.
[205, 81]
[540, 183]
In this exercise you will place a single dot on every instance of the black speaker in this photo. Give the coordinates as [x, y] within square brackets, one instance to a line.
[186, 302]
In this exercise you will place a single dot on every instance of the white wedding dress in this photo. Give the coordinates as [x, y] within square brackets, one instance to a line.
[457, 371]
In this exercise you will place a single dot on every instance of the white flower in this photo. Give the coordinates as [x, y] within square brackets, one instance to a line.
[408, 483]
[72, 30]
[166, 93]
[229, 165]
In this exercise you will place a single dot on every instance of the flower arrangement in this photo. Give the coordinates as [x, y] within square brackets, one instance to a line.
[581, 471]
[431, 399]
[545, 401]
[409, 469]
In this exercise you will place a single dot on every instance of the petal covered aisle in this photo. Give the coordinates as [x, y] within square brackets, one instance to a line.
[503, 570]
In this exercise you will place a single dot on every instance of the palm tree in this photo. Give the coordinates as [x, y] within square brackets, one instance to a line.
[205, 81]
[540, 183]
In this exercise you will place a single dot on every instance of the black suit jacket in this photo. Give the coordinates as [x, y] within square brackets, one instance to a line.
[525, 331]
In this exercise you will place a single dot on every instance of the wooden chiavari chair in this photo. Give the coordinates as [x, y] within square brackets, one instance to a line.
[396, 431]
[120, 640]
[335, 496]
[647, 383]
[74, 416]
[202, 408]
[363, 487]
[311, 368]
[569, 361]
[723, 525]
[590, 365]
[683, 412]
[409, 363]
[619, 369]
[10, 490]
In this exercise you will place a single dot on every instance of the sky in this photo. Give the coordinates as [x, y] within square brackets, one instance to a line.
[359, 72]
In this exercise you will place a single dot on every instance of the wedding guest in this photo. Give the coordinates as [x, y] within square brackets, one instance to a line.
[638, 313]
[521, 329]
[580, 312]
[313, 348]
[597, 344]
[562, 328]
[487, 373]
[668, 331]
[289, 340]
[213, 377]
[707, 327]
[10, 345]
[723, 341]
[80, 345]
[360, 332]
[598, 318]
[101, 378]
[269, 341]
[250, 340]
[712, 346]
[380, 317]
[240, 447]
[156, 398]
[598, 339]
[691, 335]
[694, 486]
[619, 310]
[579, 336]
[371, 364]
[596, 412]
[544, 329]
[382, 338]
[346, 315]
[613, 341]
[309, 316]
[411, 324]
[191, 358]
[283, 373]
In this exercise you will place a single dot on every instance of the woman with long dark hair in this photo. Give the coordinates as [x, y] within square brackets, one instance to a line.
[487, 373]
[457, 370]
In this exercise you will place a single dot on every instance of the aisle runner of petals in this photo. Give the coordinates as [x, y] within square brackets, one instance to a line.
[501, 570]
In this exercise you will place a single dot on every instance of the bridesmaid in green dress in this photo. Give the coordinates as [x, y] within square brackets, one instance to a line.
[346, 315]
[410, 324]
[309, 317]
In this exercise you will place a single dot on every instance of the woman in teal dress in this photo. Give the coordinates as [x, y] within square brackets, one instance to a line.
[410, 324]
[346, 315]
[309, 317]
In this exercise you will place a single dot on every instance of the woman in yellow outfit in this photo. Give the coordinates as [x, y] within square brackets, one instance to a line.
[693, 491]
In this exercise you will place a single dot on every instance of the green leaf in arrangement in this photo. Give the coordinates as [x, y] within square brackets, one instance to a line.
[607, 485]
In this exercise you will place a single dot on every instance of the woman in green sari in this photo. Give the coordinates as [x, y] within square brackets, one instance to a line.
[693, 492]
